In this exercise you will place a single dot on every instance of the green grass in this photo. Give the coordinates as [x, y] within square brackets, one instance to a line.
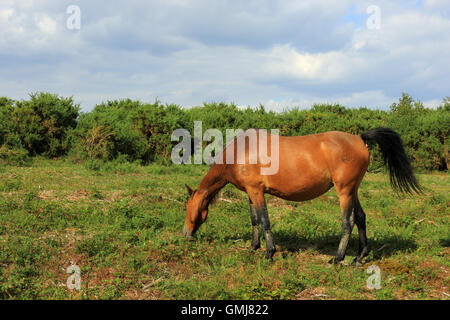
[121, 224]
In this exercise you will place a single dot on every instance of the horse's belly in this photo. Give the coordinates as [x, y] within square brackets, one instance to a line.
[300, 185]
[301, 193]
[301, 190]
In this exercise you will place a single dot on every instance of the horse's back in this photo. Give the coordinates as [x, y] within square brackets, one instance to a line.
[347, 156]
[307, 165]
[311, 164]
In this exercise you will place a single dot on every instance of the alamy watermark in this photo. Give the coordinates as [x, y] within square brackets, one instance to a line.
[73, 22]
[374, 281]
[374, 20]
[74, 281]
[258, 147]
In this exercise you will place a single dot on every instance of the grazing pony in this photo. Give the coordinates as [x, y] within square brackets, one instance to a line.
[308, 166]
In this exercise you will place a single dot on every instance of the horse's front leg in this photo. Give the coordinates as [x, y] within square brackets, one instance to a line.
[255, 227]
[259, 203]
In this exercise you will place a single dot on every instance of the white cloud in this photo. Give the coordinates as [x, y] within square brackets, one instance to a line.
[371, 99]
[433, 4]
[432, 104]
[188, 52]
[285, 60]
[46, 24]
[5, 14]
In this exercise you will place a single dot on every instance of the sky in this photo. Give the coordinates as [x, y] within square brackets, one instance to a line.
[280, 54]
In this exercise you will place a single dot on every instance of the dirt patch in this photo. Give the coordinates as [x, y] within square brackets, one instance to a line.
[445, 252]
[46, 194]
[393, 267]
[318, 293]
[78, 195]
[437, 279]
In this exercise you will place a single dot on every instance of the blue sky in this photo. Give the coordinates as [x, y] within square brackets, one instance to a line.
[278, 53]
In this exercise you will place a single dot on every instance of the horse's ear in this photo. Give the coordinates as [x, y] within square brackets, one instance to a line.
[189, 190]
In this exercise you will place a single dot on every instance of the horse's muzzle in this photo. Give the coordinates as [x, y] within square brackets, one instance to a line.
[187, 234]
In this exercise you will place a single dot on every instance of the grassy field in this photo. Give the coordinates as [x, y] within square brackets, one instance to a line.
[121, 224]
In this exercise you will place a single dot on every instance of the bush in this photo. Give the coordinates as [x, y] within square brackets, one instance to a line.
[6, 123]
[97, 143]
[424, 132]
[14, 156]
[38, 125]
[129, 130]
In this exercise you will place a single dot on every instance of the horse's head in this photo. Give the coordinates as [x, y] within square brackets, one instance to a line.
[195, 216]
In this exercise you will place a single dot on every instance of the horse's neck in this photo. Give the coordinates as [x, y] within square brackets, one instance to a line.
[211, 185]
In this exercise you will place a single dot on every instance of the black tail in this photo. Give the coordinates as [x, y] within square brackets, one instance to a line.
[394, 156]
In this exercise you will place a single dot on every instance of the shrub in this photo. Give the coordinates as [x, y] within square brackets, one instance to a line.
[38, 125]
[129, 130]
[97, 143]
[14, 156]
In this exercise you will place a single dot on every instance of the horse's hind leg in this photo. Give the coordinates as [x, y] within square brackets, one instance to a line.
[347, 205]
[255, 227]
[360, 220]
[265, 223]
[259, 203]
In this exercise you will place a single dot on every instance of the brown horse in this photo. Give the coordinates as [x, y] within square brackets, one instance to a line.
[308, 167]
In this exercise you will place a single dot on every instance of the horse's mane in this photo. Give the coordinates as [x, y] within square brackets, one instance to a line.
[210, 200]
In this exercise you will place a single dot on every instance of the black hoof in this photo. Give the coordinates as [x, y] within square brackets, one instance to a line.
[270, 253]
[256, 246]
[360, 260]
[357, 262]
[335, 261]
